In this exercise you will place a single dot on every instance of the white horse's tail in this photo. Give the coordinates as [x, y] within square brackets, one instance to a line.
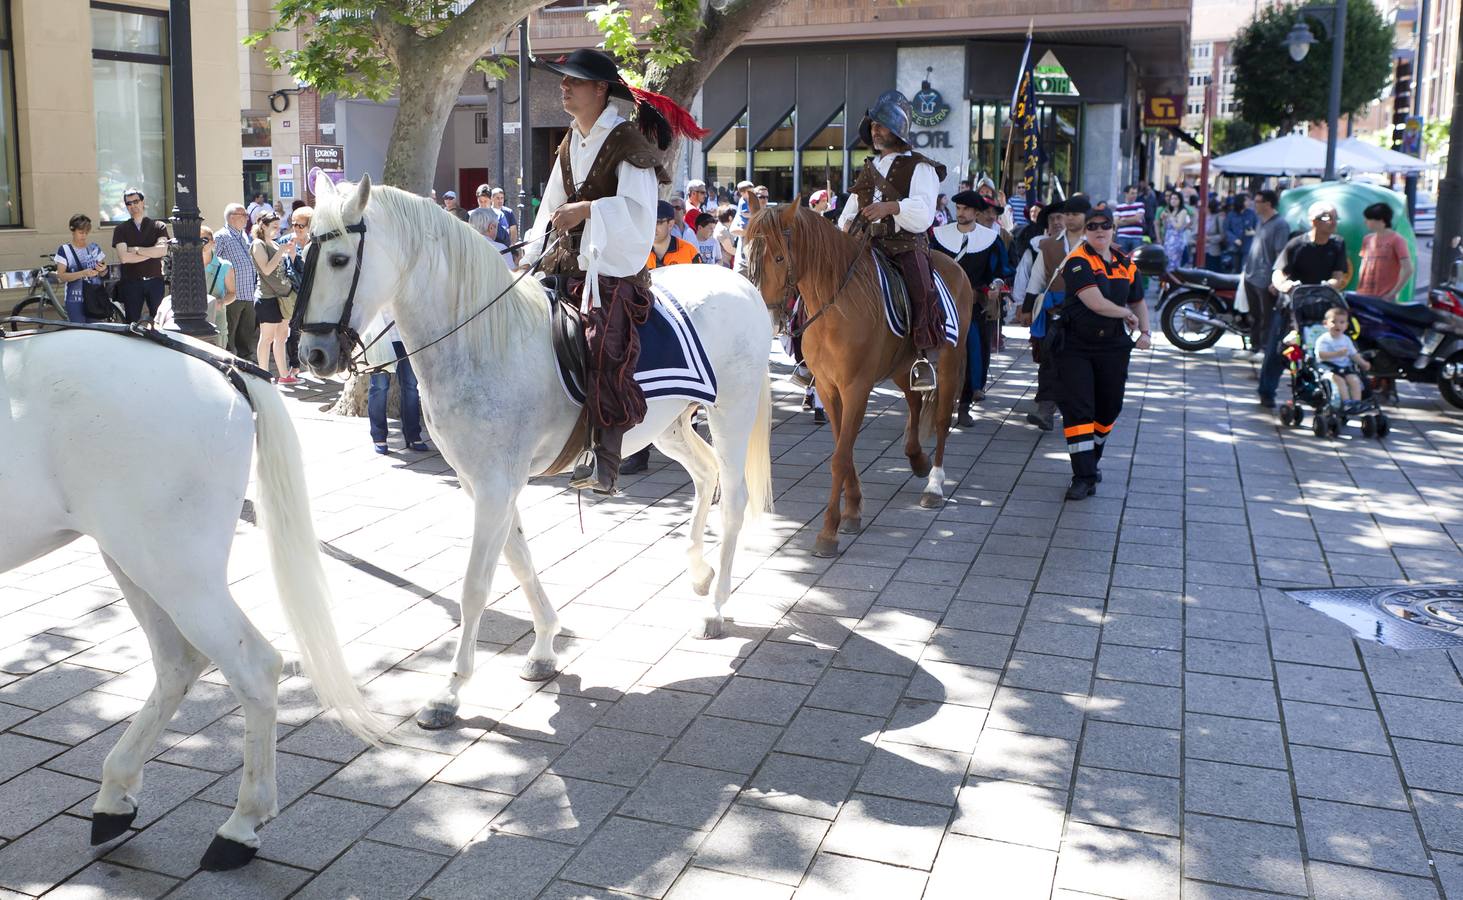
[294, 551]
[759, 455]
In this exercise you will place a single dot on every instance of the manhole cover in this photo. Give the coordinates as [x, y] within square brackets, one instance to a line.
[1407, 617]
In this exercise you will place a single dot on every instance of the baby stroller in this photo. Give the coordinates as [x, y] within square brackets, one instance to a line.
[1310, 381]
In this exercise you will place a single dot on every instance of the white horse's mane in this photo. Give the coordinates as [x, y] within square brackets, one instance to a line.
[475, 272]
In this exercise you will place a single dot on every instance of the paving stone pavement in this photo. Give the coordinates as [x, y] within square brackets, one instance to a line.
[1010, 697]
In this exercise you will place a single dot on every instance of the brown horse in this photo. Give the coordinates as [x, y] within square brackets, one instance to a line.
[791, 252]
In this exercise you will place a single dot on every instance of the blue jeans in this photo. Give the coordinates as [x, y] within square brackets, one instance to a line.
[1274, 363]
[411, 401]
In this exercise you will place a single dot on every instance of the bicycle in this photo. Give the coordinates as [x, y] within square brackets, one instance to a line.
[41, 302]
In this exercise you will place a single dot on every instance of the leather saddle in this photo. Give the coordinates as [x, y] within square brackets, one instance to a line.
[899, 292]
[571, 350]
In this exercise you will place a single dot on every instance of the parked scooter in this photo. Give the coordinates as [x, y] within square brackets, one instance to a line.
[1197, 306]
[1410, 342]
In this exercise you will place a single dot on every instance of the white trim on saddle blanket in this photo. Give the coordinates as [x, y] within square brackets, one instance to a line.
[672, 363]
[898, 318]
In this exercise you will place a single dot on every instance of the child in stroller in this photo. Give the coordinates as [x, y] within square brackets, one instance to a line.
[1324, 363]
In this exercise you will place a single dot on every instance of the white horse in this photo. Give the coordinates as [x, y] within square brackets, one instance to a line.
[493, 400]
[147, 451]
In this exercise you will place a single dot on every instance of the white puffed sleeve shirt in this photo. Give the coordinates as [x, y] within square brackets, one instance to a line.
[620, 229]
[917, 211]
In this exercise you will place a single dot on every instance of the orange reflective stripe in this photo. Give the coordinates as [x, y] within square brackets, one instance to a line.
[1103, 429]
[1076, 430]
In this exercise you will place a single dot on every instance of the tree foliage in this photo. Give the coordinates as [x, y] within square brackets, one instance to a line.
[667, 34]
[346, 50]
[1230, 135]
[1273, 91]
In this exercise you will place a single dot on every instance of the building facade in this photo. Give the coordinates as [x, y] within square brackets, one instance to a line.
[87, 114]
[783, 108]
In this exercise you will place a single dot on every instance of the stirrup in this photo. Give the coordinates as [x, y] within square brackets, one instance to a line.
[922, 376]
[802, 376]
[586, 472]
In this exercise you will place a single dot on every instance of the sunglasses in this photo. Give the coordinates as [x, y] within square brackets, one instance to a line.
[133, 202]
[298, 225]
[1099, 226]
[1324, 217]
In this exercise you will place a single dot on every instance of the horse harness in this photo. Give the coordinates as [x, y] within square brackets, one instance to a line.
[231, 368]
[790, 293]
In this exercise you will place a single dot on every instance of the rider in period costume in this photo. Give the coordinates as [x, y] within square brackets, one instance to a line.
[894, 195]
[600, 204]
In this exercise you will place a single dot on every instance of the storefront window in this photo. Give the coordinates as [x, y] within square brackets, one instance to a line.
[822, 162]
[1060, 148]
[130, 73]
[9, 157]
[255, 130]
[726, 161]
[772, 162]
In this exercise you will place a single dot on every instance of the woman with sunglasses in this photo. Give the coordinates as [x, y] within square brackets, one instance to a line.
[1102, 305]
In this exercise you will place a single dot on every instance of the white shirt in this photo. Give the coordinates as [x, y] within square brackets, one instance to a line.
[620, 229]
[952, 238]
[1040, 278]
[917, 211]
[1023, 271]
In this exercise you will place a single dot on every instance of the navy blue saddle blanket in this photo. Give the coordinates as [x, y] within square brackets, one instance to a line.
[672, 361]
[896, 304]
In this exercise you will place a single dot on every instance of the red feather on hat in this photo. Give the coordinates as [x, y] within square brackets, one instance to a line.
[681, 122]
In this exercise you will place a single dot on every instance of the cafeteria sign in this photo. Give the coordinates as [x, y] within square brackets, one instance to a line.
[930, 108]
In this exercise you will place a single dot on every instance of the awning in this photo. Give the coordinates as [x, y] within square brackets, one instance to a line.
[1383, 158]
[1293, 154]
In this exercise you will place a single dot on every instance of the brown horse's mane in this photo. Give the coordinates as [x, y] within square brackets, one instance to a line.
[822, 253]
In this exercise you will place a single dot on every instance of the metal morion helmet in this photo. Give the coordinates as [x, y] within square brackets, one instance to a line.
[893, 111]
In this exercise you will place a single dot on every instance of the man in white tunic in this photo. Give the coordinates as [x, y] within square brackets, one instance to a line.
[600, 205]
[894, 198]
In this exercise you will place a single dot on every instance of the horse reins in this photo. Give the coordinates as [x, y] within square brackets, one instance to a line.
[347, 336]
[790, 283]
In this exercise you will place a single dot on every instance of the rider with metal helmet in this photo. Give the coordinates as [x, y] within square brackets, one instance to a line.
[894, 197]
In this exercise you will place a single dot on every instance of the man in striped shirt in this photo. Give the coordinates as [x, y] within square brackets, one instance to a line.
[1129, 216]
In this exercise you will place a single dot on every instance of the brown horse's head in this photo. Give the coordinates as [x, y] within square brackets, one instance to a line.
[767, 250]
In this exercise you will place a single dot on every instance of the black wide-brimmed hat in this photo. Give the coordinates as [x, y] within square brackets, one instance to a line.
[591, 65]
[660, 118]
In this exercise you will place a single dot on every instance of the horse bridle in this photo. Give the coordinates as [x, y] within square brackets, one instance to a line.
[348, 338]
[790, 282]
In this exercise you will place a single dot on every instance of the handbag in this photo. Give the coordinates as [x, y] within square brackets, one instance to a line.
[96, 302]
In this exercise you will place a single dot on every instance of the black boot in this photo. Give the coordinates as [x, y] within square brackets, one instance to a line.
[600, 472]
[965, 420]
[1081, 489]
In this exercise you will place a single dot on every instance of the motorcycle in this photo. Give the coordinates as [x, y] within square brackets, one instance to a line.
[1197, 307]
[1417, 343]
[1448, 298]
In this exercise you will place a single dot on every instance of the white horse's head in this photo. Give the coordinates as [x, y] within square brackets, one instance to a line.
[347, 278]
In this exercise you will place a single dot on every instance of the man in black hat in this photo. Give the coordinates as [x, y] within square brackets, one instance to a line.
[1044, 289]
[600, 203]
[894, 197]
[977, 248]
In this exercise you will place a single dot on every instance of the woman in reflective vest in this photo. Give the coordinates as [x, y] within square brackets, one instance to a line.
[1102, 307]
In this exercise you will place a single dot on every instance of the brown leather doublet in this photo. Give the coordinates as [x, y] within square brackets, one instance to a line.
[625, 143]
[892, 239]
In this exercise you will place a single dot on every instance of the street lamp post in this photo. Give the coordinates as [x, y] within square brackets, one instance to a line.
[190, 306]
[1299, 41]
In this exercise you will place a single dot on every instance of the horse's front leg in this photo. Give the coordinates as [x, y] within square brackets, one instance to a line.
[845, 473]
[493, 517]
[826, 544]
[919, 463]
[952, 383]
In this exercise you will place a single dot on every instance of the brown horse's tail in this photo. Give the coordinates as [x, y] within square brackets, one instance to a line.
[930, 411]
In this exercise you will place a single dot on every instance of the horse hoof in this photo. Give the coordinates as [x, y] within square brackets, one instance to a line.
[931, 501]
[434, 717]
[851, 525]
[920, 470]
[825, 549]
[107, 826]
[538, 670]
[702, 586]
[224, 855]
[710, 629]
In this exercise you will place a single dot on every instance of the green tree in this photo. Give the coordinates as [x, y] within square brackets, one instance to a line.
[418, 49]
[1230, 135]
[1263, 64]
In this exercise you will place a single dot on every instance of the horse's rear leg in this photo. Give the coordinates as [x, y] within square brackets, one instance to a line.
[493, 517]
[542, 663]
[919, 463]
[681, 443]
[199, 604]
[945, 399]
[731, 429]
[177, 664]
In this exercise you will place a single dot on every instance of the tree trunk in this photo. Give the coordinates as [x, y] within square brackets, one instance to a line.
[722, 32]
[416, 136]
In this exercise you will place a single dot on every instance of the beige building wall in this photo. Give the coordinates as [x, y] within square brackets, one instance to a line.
[56, 120]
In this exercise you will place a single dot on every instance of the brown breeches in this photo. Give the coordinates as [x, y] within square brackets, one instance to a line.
[928, 325]
[615, 402]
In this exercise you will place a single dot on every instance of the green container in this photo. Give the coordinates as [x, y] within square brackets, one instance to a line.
[1350, 200]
